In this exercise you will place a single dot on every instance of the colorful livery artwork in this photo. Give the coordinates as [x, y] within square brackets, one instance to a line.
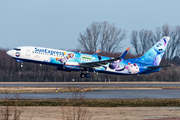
[73, 61]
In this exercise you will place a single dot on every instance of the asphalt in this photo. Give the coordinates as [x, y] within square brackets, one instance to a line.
[126, 84]
[105, 93]
[123, 94]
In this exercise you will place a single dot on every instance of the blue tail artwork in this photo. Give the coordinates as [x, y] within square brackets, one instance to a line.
[155, 54]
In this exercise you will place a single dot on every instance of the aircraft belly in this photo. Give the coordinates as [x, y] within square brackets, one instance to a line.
[124, 68]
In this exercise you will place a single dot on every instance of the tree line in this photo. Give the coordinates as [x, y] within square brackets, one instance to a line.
[108, 39]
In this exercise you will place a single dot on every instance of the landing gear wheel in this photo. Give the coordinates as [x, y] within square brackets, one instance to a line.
[87, 75]
[82, 75]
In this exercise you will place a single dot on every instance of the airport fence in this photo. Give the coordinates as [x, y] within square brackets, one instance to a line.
[124, 79]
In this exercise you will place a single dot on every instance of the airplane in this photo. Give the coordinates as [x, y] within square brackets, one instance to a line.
[73, 61]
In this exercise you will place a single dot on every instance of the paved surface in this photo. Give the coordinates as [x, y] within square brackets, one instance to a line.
[113, 93]
[53, 84]
[105, 94]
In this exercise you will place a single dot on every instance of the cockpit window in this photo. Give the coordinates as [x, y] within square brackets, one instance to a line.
[17, 49]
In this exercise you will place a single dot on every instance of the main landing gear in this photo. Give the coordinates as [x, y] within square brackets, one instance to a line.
[83, 75]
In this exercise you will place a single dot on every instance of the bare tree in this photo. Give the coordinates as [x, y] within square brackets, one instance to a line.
[173, 47]
[147, 39]
[157, 34]
[166, 30]
[101, 35]
[77, 111]
[89, 40]
[134, 41]
[142, 40]
[8, 112]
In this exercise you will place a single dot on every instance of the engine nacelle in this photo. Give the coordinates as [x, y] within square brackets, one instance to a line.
[62, 68]
[68, 68]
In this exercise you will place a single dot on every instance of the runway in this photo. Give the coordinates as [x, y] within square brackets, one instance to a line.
[123, 94]
[102, 90]
[90, 84]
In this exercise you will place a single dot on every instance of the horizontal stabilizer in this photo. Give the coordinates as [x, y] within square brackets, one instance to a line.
[155, 67]
[125, 52]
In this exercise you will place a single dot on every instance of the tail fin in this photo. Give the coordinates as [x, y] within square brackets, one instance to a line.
[155, 54]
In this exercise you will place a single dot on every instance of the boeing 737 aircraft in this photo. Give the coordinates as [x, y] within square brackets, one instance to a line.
[73, 61]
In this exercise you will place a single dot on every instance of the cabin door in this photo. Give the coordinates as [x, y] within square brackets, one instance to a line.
[28, 52]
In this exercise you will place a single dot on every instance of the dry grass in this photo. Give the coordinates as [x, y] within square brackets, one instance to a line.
[102, 113]
[76, 112]
[39, 89]
[10, 113]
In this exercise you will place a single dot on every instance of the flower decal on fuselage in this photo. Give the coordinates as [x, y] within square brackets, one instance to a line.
[64, 58]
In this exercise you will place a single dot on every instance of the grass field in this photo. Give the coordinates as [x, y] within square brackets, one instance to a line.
[94, 102]
[101, 109]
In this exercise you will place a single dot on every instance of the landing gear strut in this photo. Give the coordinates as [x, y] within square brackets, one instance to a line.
[21, 65]
[83, 75]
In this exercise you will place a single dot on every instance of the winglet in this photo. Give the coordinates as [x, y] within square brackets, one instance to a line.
[125, 52]
[96, 52]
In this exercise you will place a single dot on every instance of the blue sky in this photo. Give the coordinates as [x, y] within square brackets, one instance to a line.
[57, 23]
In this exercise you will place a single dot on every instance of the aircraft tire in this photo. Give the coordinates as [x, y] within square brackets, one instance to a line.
[82, 75]
[87, 75]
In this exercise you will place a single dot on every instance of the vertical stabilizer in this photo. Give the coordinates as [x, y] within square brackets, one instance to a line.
[155, 54]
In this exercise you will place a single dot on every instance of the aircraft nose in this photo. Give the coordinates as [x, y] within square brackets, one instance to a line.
[10, 52]
[7, 52]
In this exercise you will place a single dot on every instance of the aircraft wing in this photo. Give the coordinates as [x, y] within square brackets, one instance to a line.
[103, 62]
[98, 63]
